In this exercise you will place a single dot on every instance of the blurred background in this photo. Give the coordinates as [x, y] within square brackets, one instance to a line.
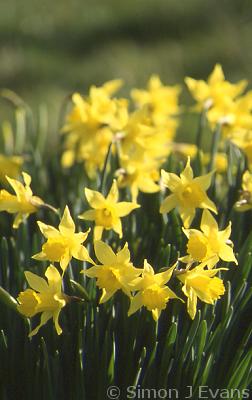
[49, 49]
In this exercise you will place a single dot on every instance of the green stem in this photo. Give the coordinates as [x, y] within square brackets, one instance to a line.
[103, 175]
[214, 148]
[202, 124]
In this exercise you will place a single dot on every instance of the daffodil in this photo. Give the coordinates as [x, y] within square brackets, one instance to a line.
[62, 244]
[107, 212]
[217, 93]
[10, 166]
[188, 193]
[115, 272]
[245, 201]
[23, 203]
[152, 291]
[44, 297]
[209, 245]
[161, 100]
[201, 283]
[139, 175]
[91, 124]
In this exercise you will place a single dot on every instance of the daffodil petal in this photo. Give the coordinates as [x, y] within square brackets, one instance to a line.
[66, 225]
[45, 316]
[94, 198]
[168, 204]
[36, 282]
[124, 208]
[135, 304]
[104, 253]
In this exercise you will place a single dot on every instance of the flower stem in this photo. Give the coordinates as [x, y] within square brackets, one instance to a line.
[214, 148]
[103, 175]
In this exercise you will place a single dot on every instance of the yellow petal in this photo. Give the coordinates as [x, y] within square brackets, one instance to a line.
[227, 254]
[45, 316]
[106, 296]
[81, 253]
[208, 222]
[54, 278]
[187, 215]
[104, 253]
[135, 304]
[216, 76]
[168, 204]
[113, 193]
[207, 203]
[56, 321]
[117, 227]
[98, 232]
[88, 215]
[36, 282]
[94, 198]
[66, 225]
[18, 219]
[204, 181]
[124, 208]
[156, 314]
[123, 256]
[47, 230]
[187, 174]
[27, 178]
[164, 277]
[170, 180]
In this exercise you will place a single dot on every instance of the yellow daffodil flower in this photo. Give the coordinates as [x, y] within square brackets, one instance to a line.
[188, 193]
[139, 175]
[209, 245]
[162, 101]
[91, 124]
[10, 166]
[62, 244]
[152, 291]
[44, 297]
[115, 272]
[220, 162]
[202, 284]
[216, 92]
[107, 212]
[245, 201]
[23, 203]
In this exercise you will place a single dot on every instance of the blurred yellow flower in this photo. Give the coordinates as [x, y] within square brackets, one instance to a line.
[245, 201]
[152, 291]
[162, 101]
[209, 245]
[23, 203]
[220, 161]
[216, 92]
[115, 272]
[91, 124]
[140, 174]
[10, 166]
[188, 193]
[202, 284]
[44, 297]
[107, 212]
[62, 244]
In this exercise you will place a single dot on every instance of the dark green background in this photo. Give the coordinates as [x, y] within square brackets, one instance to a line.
[50, 48]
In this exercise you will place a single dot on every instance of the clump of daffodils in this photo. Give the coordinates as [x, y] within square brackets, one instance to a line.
[23, 202]
[139, 137]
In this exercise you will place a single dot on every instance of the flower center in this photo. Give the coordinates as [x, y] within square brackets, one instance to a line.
[108, 279]
[154, 297]
[104, 217]
[55, 249]
[197, 247]
[191, 196]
